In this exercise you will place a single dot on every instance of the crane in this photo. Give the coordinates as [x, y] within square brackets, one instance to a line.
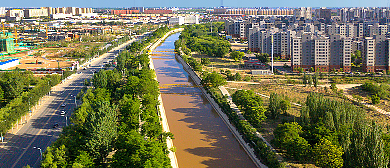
[16, 37]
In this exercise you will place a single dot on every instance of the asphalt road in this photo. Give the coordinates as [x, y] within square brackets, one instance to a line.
[21, 149]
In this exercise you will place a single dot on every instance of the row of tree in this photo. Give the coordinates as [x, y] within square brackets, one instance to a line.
[333, 134]
[19, 92]
[198, 38]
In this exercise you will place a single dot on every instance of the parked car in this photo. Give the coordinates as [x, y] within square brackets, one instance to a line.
[62, 112]
[56, 125]
[63, 105]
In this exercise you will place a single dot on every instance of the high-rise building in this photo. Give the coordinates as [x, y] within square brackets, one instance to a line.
[303, 12]
[2, 11]
[29, 13]
[368, 54]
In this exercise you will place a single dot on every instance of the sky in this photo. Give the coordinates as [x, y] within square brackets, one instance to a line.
[195, 3]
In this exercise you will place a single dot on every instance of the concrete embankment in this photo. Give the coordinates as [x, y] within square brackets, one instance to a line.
[164, 122]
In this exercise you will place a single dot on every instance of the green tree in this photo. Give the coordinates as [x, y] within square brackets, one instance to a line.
[213, 80]
[315, 79]
[205, 61]
[101, 130]
[375, 99]
[236, 55]
[327, 154]
[48, 161]
[277, 105]
[263, 58]
[100, 79]
[284, 133]
[237, 76]
[83, 160]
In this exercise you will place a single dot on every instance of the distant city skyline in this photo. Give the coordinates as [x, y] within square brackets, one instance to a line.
[197, 3]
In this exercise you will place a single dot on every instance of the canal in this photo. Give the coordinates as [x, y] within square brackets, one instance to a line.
[202, 139]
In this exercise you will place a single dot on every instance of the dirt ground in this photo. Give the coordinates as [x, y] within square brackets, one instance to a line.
[46, 60]
[238, 46]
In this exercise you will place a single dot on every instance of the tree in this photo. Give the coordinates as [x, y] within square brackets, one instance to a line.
[333, 87]
[263, 58]
[287, 136]
[309, 80]
[237, 76]
[83, 160]
[205, 61]
[286, 132]
[236, 55]
[48, 161]
[304, 79]
[327, 154]
[375, 99]
[315, 79]
[101, 130]
[100, 79]
[213, 80]
[277, 105]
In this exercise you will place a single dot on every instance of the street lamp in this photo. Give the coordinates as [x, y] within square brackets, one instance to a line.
[2, 138]
[272, 53]
[40, 150]
[75, 100]
[66, 120]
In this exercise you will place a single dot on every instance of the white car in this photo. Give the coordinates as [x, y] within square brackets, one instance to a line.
[62, 112]
[63, 105]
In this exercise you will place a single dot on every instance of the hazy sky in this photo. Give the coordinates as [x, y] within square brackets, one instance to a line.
[195, 3]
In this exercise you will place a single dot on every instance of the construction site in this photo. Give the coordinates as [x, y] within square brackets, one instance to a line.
[15, 53]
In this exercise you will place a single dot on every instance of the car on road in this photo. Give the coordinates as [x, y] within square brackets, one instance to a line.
[63, 112]
[63, 105]
[56, 125]
[85, 68]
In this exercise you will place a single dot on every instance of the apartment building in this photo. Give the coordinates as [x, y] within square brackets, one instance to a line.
[180, 20]
[376, 53]
[347, 30]
[260, 40]
[29, 13]
[368, 54]
[303, 12]
[321, 53]
[340, 52]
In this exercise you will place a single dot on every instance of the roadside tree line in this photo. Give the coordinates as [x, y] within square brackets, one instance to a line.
[19, 92]
[118, 116]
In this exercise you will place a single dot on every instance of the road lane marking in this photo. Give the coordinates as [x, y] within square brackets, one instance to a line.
[39, 132]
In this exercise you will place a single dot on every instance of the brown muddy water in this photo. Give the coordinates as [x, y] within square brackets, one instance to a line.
[202, 139]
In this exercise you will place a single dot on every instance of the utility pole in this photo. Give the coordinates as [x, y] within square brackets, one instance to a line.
[211, 23]
[272, 53]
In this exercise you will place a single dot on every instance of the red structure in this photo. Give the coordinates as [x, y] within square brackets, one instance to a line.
[120, 12]
[158, 11]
